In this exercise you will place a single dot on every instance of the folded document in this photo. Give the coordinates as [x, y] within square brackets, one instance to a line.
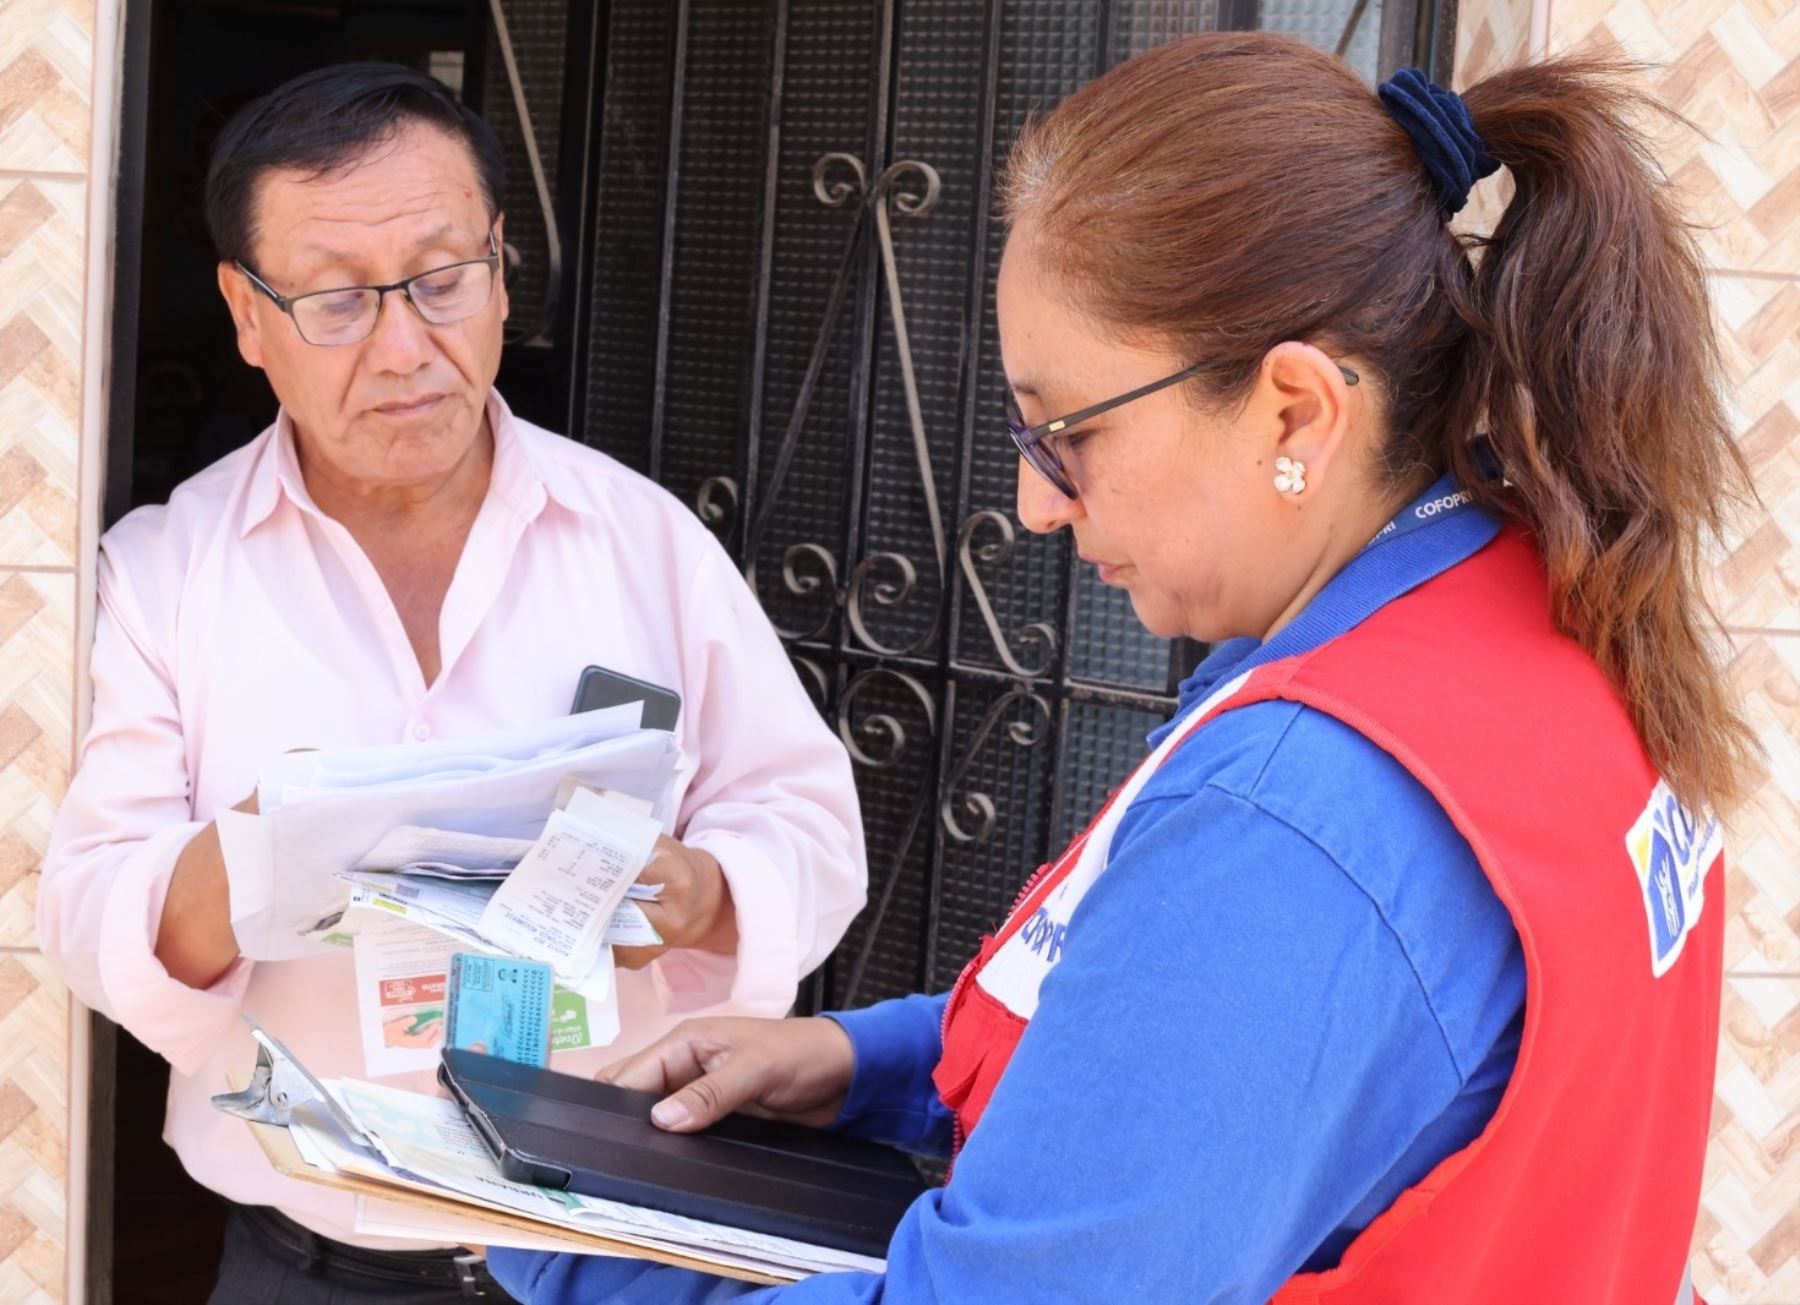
[325, 813]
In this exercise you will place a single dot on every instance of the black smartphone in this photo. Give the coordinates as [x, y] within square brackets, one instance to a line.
[599, 687]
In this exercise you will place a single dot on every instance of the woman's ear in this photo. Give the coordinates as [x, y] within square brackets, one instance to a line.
[1304, 402]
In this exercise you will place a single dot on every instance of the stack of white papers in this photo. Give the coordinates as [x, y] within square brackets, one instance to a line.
[425, 1144]
[326, 813]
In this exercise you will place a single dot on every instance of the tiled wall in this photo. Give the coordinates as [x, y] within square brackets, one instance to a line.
[47, 78]
[1732, 67]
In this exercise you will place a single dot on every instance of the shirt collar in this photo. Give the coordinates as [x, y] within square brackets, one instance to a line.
[518, 477]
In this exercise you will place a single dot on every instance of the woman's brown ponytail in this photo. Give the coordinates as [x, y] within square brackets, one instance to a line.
[1594, 373]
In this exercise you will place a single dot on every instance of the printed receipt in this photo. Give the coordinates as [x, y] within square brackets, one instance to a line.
[556, 903]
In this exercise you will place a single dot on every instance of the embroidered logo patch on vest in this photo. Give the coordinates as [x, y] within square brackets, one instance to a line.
[1671, 850]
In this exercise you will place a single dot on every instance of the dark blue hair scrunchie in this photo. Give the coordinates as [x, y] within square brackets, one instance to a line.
[1442, 132]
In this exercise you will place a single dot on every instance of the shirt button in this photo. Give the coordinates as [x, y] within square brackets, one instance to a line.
[421, 732]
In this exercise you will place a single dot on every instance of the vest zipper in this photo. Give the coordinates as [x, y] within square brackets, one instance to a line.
[1037, 876]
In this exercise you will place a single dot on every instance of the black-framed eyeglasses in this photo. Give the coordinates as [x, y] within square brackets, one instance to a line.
[348, 314]
[1034, 442]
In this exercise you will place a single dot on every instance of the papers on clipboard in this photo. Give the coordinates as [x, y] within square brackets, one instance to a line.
[423, 1172]
[324, 813]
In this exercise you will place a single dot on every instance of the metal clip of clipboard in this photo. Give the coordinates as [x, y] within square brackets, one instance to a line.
[280, 1086]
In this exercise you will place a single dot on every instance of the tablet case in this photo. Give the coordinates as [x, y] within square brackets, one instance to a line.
[569, 1133]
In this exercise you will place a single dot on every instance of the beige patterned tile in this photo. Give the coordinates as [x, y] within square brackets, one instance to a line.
[18, 1288]
[42, 274]
[46, 74]
[1732, 69]
[1756, 570]
[36, 685]
[1747, 1243]
[34, 1112]
[1762, 881]
[1489, 37]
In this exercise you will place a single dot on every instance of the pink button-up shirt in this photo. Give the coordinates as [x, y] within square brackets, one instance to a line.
[239, 622]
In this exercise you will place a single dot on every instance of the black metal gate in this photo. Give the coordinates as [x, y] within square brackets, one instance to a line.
[755, 261]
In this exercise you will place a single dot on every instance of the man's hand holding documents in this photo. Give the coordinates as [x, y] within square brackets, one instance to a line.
[322, 814]
[691, 906]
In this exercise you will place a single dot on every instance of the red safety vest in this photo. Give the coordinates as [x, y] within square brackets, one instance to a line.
[1585, 1185]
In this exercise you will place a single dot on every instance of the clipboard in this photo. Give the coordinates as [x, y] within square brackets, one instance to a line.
[559, 1131]
[285, 1158]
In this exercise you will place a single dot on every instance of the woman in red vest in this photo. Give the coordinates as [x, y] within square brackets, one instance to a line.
[1392, 973]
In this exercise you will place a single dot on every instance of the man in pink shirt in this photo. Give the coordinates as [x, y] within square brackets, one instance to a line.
[399, 558]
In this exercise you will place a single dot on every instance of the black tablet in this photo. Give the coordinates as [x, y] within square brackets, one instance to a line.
[573, 1134]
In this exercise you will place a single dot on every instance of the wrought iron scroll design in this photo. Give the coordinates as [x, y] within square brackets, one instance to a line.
[833, 193]
[716, 502]
[879, 738]
[1024, 733]
[810, 570]
[971, 557]
[887, 592]
[1027, 733]
[838, 179]
[888, 735]
[912, 205]
[814, 680]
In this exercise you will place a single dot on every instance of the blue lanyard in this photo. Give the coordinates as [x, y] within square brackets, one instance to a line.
[1437, 504]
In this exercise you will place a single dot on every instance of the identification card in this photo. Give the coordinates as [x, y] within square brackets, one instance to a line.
[500, 1005]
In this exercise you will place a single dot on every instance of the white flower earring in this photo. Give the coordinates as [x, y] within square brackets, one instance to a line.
[1290, 476]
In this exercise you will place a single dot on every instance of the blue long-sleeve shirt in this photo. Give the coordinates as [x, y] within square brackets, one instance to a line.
[1292, 992]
